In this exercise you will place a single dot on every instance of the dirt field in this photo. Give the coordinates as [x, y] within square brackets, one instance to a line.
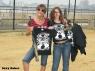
[14, 45]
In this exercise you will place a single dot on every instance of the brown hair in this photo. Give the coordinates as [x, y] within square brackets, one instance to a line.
[41, 6]
[52, 17]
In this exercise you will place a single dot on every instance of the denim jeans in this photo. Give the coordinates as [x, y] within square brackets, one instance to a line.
[30, 55]
[64, 50]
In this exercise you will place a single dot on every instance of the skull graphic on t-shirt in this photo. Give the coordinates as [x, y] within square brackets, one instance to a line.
[43, 41]
[60, 32]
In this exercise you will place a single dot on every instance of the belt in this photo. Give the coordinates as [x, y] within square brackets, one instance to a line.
[60, 42]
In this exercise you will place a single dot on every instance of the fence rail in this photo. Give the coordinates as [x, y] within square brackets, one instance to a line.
[85, 18]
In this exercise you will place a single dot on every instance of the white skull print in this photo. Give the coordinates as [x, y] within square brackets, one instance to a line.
[43, 41]
[60, 32]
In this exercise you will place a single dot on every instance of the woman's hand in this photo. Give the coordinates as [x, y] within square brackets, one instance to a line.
[50, 27]
[29, 30]
[28, 33]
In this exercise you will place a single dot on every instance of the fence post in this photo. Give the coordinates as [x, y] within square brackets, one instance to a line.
[47, 7]
[14, 15]
[65, 13]
[74, 12]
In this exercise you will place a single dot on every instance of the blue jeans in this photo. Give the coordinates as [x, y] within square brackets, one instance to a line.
[30, 55]
[63, 49]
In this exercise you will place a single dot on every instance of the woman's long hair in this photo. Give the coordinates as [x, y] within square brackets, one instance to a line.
[52, 17]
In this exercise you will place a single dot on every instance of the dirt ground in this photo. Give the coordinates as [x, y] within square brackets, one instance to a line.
[14, 45]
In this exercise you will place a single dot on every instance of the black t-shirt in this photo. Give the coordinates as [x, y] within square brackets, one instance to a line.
[43, 39]
[60, 33]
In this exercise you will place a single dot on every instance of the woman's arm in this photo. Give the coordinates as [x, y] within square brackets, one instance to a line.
[29, 27]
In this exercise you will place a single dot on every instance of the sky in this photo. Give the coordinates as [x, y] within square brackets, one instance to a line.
[51, 1]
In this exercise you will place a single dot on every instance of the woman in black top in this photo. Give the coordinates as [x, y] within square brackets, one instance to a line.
[61, 36]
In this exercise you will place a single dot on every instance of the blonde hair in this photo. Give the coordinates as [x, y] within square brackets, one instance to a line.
[41, 6]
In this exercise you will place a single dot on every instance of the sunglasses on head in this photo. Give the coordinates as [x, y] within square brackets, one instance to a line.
[41, 10]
